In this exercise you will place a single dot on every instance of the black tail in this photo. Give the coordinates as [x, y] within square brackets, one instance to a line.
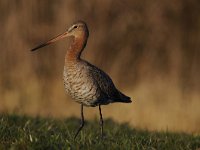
[123, 98]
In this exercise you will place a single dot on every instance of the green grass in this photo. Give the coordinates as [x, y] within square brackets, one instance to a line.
[22, 132]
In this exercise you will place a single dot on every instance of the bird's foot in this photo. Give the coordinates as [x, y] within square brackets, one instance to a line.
[102, 136]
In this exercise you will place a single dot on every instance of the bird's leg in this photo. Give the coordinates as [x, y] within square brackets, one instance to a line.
[101, 121]
[82, 122]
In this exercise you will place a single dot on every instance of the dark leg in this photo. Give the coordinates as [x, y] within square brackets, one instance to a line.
[101, 121]
[82, 122]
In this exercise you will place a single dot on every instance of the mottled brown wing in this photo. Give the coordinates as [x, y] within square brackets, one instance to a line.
[106, 86]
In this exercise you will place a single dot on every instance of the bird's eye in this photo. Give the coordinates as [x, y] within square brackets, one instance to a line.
[75, 27]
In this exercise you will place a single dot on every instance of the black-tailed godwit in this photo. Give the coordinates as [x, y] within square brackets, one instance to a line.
[85, 83]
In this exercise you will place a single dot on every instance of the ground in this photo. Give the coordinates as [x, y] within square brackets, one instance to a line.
[23, 132]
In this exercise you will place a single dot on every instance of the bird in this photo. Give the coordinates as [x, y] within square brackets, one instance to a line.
[85, 83]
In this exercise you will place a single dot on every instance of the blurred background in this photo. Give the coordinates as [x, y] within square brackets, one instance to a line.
[149, 48]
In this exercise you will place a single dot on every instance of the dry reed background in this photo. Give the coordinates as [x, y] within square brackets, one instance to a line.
[149, 48]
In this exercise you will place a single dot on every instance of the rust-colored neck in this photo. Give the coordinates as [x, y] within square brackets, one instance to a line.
[75, 49]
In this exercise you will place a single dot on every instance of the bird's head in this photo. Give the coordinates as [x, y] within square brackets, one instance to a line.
[77, 29]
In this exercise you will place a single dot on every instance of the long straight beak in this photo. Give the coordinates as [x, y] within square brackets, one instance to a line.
[57, 38]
